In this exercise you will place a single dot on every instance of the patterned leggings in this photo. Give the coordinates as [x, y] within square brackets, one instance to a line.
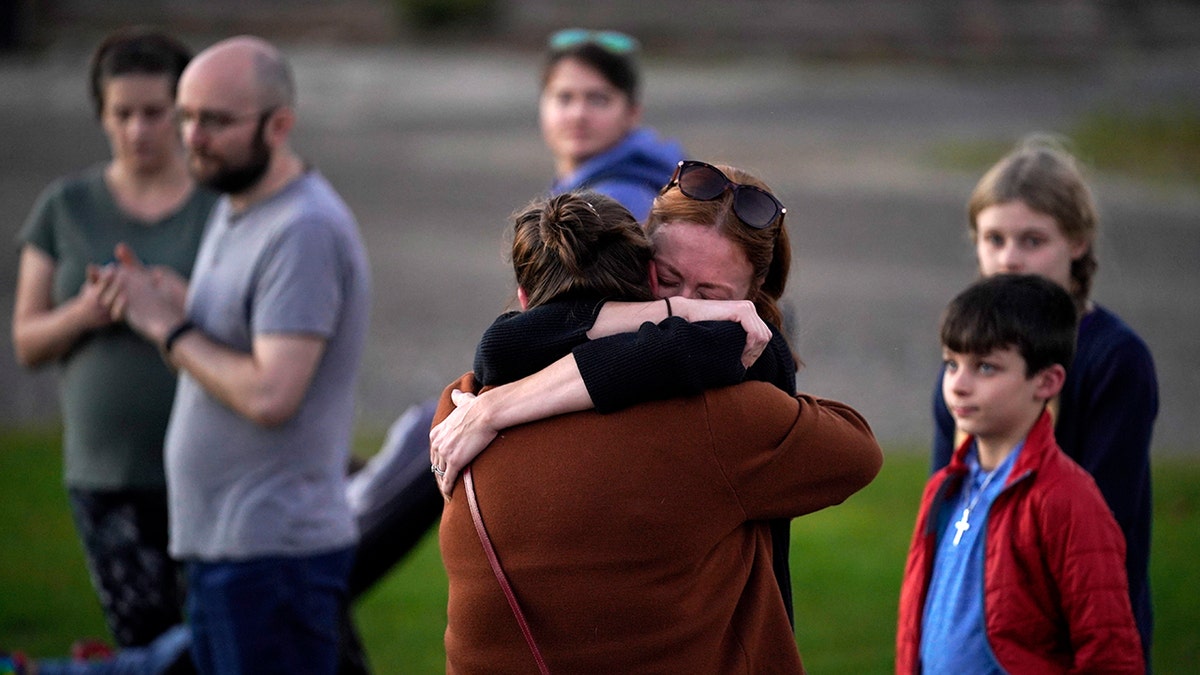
[125, 538]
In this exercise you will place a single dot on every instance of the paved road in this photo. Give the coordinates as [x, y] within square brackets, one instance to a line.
[433, 150]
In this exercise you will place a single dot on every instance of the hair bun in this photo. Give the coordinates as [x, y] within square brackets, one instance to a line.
[568, 226]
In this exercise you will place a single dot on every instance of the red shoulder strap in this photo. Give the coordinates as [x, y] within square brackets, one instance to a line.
[473, 502]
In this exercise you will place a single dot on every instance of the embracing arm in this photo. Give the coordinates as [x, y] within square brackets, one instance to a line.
[789, 456]
[710, 349]
[521, 343]
[625, 317]
[672, 358]
[705, 345]
[561, 389]
[42, 332]
[649, 360]
[659, 361]
[476, 420]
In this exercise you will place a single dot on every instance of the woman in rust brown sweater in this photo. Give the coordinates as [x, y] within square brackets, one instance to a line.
[635, 541]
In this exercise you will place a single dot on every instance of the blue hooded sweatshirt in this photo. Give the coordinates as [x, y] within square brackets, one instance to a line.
[632, 172]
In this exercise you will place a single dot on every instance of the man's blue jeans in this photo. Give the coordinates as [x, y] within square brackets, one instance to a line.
[267, 615]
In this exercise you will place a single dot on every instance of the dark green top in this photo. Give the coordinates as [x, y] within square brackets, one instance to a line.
[116, 390]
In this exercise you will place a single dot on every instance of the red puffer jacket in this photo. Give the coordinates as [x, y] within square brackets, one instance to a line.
[1055, 592]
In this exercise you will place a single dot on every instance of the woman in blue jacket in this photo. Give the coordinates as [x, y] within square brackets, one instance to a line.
[590, 116]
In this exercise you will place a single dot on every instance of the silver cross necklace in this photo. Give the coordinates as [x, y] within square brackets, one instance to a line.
[962, 525]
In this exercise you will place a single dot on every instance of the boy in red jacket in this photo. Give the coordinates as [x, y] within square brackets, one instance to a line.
[1016, 563]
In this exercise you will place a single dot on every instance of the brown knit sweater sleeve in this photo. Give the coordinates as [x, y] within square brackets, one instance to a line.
[788, 456]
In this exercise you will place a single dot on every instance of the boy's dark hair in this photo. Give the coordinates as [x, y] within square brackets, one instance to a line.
[136, 50]
[1027, 312]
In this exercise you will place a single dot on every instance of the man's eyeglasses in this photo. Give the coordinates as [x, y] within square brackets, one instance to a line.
[609, 40]
[754, 206]
[213, 122]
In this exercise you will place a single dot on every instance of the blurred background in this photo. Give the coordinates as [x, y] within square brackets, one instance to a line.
[871, 121]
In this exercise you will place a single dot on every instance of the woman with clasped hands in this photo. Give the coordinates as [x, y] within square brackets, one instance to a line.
[116, 391]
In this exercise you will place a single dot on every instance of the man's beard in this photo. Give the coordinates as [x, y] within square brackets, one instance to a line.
[235, 180]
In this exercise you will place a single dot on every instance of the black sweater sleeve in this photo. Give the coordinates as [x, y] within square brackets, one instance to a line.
[676, 358]
[776, 366]
[519, 344]
[658, 361]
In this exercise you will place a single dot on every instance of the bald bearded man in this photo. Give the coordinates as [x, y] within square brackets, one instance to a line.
[267, 345]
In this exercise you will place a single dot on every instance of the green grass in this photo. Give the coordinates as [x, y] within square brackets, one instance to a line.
[46, 600]
[1160, 146]
[847, 563]
[846, 566]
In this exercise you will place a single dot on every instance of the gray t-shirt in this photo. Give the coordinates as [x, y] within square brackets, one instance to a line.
[292, 264]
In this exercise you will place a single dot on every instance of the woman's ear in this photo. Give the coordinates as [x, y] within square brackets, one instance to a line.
[1049, 381]
[523, 298]
[652, 270]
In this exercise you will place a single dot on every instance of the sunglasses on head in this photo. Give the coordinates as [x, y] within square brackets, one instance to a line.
[609, 40]
[754, 206]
